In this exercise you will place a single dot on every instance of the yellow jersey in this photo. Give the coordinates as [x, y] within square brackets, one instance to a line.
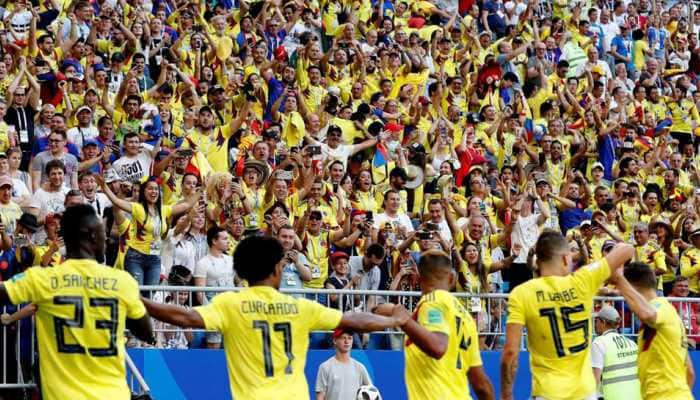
[663, 349]
[81, 317]
[557, 313]
[147, 231]
[690, 267]
[446, 378]
[266, 337]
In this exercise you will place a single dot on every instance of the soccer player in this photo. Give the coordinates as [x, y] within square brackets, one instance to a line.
[265, 332]
[665, 370]
[83, 309]
[556, 309]
[442, 343]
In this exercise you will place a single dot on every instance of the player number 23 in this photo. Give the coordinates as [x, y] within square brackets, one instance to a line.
[569, 326]
[78, 320]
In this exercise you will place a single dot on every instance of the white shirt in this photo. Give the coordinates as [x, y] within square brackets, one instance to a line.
[525, 233]
[400, 220]
[99, 203]
[77, 134]
[341, 153]
[49, 202]
[132, 169]
[218, 271]
[177, 251]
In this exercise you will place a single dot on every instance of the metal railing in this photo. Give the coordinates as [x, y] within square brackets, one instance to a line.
[490, 312]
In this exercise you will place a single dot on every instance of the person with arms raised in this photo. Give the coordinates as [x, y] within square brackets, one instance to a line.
[265, 332]
[665, 369]
[556, 309]
[83, 309]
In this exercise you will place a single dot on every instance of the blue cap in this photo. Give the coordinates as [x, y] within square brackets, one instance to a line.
[91, 142]
[666, 123]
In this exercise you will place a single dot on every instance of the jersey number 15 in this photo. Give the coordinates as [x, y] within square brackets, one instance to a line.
[569, 326]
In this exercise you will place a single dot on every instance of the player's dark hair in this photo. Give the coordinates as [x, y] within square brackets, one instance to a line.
[549, 245]
[77, 225]
[641, 275]
[434, 263]
[255, 257]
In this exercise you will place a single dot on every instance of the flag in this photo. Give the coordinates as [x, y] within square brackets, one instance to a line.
[643, 143]
[198, 165]
[381, 156]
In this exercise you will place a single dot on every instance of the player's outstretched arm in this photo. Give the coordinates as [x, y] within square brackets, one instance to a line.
[481, 383]
[509, 359]
[637, 303]
[174, 315]
[433, 344]
[142, 329]
[689, 372]
[619, 255]
[366, 322]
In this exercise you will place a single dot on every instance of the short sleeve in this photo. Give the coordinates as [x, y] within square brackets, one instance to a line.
[132, 298]
[516, 312]
[319, 317]
[200, 269]
[364, 375]
[30, 286]
[212, 314]
[322, 379]
[473, 352]
[663, 314]
[592, 276]
[138, 212]
[433, 316]
[597, 354]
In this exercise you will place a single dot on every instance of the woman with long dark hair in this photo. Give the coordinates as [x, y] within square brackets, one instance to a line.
[150, 219]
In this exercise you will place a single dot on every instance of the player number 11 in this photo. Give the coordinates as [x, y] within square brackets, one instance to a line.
[285, 328]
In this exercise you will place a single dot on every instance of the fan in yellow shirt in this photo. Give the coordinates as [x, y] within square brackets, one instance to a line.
[665, 370]
[266, 333]
[442, 343]
[83, 309]
[556, 309]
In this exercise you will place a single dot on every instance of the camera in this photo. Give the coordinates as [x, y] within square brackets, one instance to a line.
[314, 150]
[431, 226]
[369, 216]
[423, 235]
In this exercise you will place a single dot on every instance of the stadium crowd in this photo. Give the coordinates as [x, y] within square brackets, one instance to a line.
[359, 133]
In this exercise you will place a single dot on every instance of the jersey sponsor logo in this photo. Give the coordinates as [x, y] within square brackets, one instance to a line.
[435, 316]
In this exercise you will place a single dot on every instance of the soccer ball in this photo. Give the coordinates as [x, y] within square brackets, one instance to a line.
[368, 392]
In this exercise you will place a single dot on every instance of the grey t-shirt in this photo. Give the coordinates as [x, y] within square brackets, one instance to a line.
[69, 160]
[340, 381]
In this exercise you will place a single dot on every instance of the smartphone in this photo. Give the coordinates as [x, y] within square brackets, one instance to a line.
[432, 226]
[369, 216]
[235, 180]
[314, 150]
[424, 235]
[185, 152]
[285, 175]
[482, 208]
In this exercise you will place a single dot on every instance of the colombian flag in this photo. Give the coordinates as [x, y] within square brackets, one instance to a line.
[381, 156]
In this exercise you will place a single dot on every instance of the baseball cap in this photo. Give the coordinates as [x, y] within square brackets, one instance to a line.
[339, 331]
[597, 70]
[90, 142]
[338, 255]
[215, 88]
[607, 313]
[608, 245]
[541, 179]
[5, 180]
[597, 164]
[83, 108]
[584, 223]
[417, 147]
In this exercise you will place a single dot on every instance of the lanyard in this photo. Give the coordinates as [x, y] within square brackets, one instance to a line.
[23, 118]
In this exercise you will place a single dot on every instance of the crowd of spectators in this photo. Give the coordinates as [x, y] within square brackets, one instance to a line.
[359, 133]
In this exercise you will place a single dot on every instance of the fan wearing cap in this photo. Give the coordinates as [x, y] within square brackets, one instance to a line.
[614, 358]
[341, 376]
[9, 210]
[211, 140]
[690, 262]
[85, 130]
